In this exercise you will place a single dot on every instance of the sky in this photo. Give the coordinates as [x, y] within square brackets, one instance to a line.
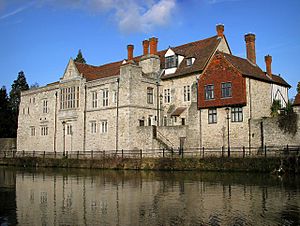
[40, 36]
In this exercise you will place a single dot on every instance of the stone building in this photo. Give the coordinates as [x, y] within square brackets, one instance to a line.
[172, 98]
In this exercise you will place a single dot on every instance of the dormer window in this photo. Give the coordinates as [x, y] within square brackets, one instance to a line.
[189, 61]
[171, 61]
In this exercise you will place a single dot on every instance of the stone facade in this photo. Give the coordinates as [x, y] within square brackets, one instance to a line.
[147, 102]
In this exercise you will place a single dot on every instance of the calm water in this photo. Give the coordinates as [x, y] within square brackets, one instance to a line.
[97, 197]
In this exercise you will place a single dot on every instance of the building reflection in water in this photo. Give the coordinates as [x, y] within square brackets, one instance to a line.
[153, 198]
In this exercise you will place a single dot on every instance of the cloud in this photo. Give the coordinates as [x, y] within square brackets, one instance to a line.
[135, 15]
[15, 11]
[129, 15]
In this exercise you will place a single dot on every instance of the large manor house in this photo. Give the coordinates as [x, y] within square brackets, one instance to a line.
[190, 96]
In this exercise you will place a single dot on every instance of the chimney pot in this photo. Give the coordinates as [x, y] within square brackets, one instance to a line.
[153, 45]
[146, 47]
[130, 48]
[250, 47]
[268, 60]
[220, 30]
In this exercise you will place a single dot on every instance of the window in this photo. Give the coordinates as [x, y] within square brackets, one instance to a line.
[237, 114]
[189, 61]
[69, 97]
[94, 99]
[209, 92]
[149, 95]
[183, 121]
[104, 126]
[167, 96]
[93, 127]
[45, 106]
[186, 93]
[69, 129]
[142, 122]
[212, 116]
[226, 89]
[105, 97]
[44, 130]
[171, 61]
[115, 97]
[165, 121]
[32, 131]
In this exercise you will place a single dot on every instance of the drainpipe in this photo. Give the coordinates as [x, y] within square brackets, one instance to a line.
[84, 119]
[117, 118]
[55, 121]
[157, 101]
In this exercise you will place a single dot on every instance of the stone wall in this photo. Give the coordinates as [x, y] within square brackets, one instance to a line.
[272, 134]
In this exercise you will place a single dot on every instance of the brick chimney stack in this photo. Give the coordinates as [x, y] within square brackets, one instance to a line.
[250, 46]
[146, 47]
[268, 60]
[220, 30]
[153, 45]
[130, 48]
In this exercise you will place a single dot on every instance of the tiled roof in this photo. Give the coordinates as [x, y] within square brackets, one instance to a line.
[95, 72]
[253, 71]
[178, 111]
[297, 100]
[201, 50]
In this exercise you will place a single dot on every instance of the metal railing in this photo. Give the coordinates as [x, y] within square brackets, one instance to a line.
[203, 152]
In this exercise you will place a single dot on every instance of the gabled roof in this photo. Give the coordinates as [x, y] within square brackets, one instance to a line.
[297, 100]
[252, 70]
[201, 50]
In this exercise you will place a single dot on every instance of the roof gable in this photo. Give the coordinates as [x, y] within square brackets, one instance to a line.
[71, 71]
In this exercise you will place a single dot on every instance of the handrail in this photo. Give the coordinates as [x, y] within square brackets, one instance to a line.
[161, 135]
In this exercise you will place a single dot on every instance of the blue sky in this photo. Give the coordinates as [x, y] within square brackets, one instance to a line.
[40, 36]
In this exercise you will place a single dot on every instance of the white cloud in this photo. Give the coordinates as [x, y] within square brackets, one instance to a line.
[15, 11]
[129, 15]
[135, 15]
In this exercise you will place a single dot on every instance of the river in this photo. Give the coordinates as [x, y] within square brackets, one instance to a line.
[105, 197]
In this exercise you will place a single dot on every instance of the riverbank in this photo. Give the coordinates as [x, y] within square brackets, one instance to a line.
[204, 164]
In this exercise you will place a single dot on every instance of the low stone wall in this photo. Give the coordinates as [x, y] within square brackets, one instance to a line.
[207, 164]
[267, 131]
[8, 144]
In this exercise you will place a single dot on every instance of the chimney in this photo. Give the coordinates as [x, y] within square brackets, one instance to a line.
[220, 30]
[250, 47]
[130, 52]
[146, 47]
[153, 45]
[268, 60]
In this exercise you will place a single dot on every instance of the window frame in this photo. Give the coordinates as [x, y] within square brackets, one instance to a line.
[237, 114]
[94, 99]
[150, 95]
[209, 92]
[187, 93]
[226, 91]
[212, 116]
[105, 97]
[167, 96]
[104, 126]
[171, 61]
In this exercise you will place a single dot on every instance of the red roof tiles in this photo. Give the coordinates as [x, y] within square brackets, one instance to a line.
[252, 70]
[297, 100]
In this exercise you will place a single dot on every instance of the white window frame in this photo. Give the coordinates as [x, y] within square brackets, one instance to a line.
[237, 114]
[104, 126]
[94, 99]
[105, 96]
[212, 116]
[45, 106]
[167, 95]
[93, 127]
[187, 93]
